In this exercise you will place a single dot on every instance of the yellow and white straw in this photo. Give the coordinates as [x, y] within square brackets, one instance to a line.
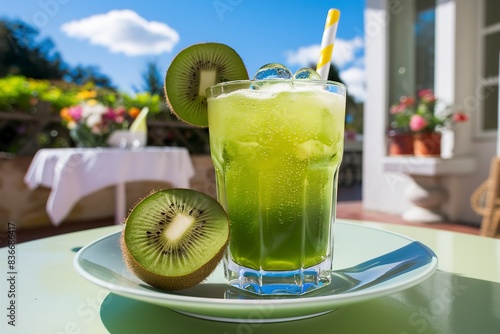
[327, 42]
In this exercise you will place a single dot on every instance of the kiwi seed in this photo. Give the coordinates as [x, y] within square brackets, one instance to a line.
[195, 69]
[174, 238]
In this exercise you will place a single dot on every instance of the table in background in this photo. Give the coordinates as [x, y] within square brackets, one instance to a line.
[73, 173]
[461, 297]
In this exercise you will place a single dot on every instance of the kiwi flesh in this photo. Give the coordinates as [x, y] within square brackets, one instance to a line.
[174, 238]
[192, 71]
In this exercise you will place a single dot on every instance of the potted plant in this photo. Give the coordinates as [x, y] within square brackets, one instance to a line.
[399, 134]
[426, 122]
[93, 120]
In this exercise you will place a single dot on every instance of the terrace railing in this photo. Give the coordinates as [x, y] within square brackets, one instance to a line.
[27, 127]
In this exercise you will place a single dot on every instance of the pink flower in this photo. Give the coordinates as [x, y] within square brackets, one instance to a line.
[460, 117]
[120, 111]
[109, 114]
[75, 113]
[115, 115]
[417, 123]
[397, 109]
[426, 95]
[425, 92]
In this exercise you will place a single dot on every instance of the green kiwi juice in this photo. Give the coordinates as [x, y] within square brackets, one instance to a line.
[276, 148]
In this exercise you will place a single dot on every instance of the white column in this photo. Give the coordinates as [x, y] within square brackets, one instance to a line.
[444, 77]
[376, 192]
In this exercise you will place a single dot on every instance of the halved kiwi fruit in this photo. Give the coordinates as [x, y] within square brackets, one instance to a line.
[195, 69]
[174, 238]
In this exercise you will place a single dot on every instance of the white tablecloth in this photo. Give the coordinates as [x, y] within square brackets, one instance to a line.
[74, 173]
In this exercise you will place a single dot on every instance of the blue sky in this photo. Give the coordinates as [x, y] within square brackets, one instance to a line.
[120, 37]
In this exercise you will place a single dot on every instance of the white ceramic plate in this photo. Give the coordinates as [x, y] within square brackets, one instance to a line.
[390, 263]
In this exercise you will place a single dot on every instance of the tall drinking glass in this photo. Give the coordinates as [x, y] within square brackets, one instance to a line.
[277, 146]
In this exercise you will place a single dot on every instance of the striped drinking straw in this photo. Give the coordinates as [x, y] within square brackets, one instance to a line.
[329, 33]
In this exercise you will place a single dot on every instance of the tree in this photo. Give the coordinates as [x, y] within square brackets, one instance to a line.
[21, 53]
[152, 79]
[81, 75]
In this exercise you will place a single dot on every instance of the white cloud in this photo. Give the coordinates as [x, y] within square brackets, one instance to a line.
[344, 53]
[304, 56]
[347, 56]
[354, 79]
[124, 31]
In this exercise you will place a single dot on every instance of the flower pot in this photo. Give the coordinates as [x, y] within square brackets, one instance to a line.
[427, 144]
[400, 143]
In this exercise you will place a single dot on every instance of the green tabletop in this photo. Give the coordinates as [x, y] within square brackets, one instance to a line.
[42, 293]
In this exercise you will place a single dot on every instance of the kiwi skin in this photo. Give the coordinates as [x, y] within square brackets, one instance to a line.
[183, 77]
[175, 282]
[171, 283]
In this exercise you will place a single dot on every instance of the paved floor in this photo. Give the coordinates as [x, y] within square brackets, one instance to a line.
[355, 211]
[350, 206]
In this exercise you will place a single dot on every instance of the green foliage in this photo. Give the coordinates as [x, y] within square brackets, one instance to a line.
[33, 71]
[22, 52]
[152, 79]
[140, 100]
[22, 95]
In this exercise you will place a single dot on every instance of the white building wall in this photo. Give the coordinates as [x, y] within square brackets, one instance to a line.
[466, 95]
[381, 192]
[456, 81]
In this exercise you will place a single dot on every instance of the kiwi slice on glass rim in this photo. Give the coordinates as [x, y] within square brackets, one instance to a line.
[174, 238]
[192, 71]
